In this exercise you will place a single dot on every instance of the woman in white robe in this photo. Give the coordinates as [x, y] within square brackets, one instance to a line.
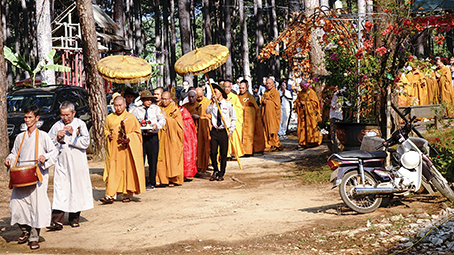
[286, 100]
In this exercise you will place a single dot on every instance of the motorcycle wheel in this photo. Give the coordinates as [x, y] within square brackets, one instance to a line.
[360, 204]
[441, 185]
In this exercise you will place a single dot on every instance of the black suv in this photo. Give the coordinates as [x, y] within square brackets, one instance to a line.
[48, 99]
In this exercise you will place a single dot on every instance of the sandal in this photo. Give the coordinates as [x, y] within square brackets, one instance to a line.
[23, 238]
[55, 226]
[106, 200]
[75, 225]
[126, 200]
[34, 245]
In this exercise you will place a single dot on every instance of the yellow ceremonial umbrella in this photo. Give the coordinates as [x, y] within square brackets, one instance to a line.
[201, 61]
[124, 69]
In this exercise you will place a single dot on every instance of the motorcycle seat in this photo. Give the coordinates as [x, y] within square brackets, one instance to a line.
[363, 154]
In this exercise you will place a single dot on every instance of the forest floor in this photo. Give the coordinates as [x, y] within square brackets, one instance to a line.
[277, 204]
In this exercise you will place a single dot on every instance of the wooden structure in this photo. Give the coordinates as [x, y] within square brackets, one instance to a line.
[66, 39]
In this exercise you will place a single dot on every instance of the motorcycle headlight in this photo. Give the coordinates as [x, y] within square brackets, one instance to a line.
[410, 159]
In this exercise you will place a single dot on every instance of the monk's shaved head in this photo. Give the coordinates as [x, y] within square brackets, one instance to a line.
[192, 96]
[166, 98]
[200, 95]
[119, 98]
[159, 89]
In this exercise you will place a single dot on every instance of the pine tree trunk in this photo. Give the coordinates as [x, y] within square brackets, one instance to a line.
[165, 40]
[25, 47]
[4, 147]
[228, 40]
[245, 45]
[206, 22]
[316, 54]
[44, 37]
[120, 17]
[138, 28]
[173, 43]
[96, 94]
[275, 60]
[184, 8]
[158, 42]
[260, 68]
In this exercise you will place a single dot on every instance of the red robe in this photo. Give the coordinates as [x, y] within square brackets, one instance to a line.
[190, 144]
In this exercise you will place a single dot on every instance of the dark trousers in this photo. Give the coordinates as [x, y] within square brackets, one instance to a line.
[219, 139]
[58, 216]
[151, 151]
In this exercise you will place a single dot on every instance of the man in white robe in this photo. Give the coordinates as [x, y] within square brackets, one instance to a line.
[30, 206]
[72, 185]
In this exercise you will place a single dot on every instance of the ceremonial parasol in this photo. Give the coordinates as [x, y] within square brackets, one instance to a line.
[201, 61]
[124, 69]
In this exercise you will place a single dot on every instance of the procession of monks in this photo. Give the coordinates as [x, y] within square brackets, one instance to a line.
[431, 88]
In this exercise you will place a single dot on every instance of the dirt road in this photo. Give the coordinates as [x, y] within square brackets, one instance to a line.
[256, 210]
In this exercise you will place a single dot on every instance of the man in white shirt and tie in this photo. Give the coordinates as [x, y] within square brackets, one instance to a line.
[219, 136]
[151, 120]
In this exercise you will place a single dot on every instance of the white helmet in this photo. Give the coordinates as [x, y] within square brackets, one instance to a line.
[410, 160]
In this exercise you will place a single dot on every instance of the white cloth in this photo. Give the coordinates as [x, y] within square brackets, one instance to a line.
[208, 93]
[30, 205]
[154, 115]
[335, 111]
[228, 113]
[236, 88]
[286, 98]
[72, 184]
[131, 106]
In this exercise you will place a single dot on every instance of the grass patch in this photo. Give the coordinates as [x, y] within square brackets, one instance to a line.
[313, 170]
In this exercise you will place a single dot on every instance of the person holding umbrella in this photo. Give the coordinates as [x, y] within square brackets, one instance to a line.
[219, 136]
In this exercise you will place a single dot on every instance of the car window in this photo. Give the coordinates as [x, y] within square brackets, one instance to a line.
[83, 98]
[69, 95]
[17, 103]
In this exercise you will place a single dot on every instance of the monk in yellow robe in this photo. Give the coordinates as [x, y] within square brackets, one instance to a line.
[418, 80]
[124, 170]
[444, 78]
[271, 115]
[433, 91]
[253, 134]
[170, 169]
[202, 122]
[235, 145]
[403, 85]
[308, 109]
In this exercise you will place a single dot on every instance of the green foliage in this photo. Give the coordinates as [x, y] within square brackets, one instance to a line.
[18, 61]
[443, 142]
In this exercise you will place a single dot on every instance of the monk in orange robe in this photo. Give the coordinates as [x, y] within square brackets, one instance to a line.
[308, 108]
[271, 115]
[202, 123]
[170, 169]
[433, 91]
[444, 78]
[253, 134]
[235, 144]
[124, 169]
[418, 80]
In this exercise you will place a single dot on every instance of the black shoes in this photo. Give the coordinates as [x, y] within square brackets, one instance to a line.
[220, 178]
[214, 176]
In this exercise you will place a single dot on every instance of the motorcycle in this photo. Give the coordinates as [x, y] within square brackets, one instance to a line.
[364, 180]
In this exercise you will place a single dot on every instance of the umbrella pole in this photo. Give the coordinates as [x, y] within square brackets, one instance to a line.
[223, 121]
